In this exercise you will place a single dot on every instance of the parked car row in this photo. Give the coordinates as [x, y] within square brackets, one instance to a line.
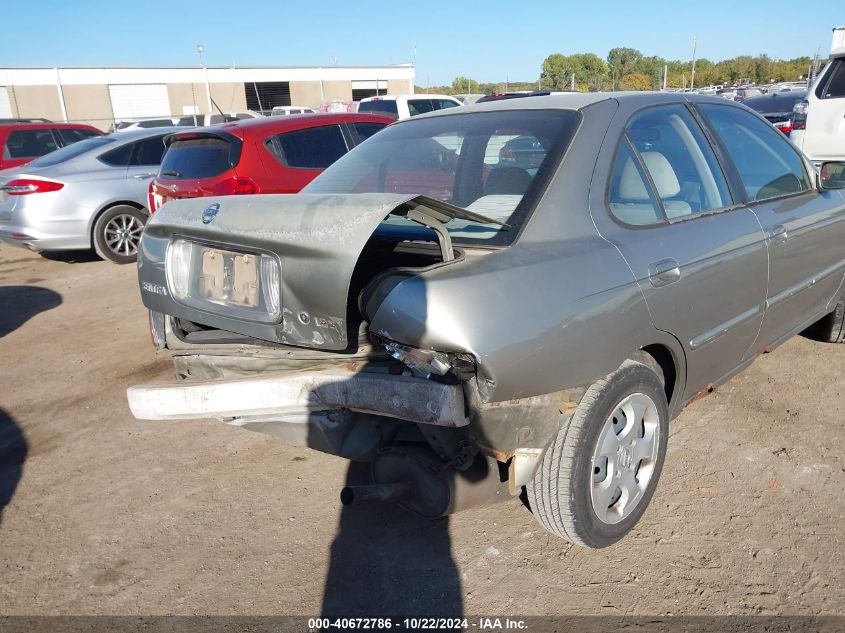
[99, 192]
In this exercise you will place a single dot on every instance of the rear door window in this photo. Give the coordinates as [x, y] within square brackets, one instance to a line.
[768, 165]
[149, 151]
[678, 160]
[630, 197]
[29, 144]
[311, 148]
[420, 106]
[70, 136]
[197, 158]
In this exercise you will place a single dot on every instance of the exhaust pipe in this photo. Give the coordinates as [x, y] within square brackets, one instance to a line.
[375, 492]
[421, 482]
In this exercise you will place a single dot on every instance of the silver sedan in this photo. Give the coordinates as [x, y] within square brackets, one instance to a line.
[479, 324]
[89, 194]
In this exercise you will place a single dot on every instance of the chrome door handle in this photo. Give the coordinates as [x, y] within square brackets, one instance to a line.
[143, 176]
[777, 234]
[664, 272]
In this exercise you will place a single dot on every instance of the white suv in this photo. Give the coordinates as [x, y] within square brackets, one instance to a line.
[818, 126]
[404, 106]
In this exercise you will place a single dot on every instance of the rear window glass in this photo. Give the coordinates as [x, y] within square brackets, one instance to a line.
[382, 106]
[28, 144]
[366, 130]
[72, 151]
[833, 87]
[775, 102]
[493, 163]
[311, 148]
[71, 135]
[197, 158]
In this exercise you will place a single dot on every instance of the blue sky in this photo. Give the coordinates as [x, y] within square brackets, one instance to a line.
[489, 41]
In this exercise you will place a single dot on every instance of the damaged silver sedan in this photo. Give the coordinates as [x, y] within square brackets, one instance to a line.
[510, 298]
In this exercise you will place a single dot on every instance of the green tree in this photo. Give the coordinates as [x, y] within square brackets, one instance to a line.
[622, 61]
[556, 70]
[463, 85]
[590, 70]
[636, 81]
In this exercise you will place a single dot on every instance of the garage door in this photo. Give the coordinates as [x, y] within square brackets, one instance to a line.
[132, 102]
[5, 106]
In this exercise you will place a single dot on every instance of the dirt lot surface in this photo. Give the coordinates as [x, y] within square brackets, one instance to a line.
[103, 514]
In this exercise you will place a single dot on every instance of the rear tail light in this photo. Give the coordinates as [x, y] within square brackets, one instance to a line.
[784, 126]
[26, 186]
[799, 115]
[236, 186]
[151, 197]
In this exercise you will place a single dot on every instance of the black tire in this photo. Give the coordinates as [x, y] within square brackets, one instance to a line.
[560, 493]
[108, 237]
[831, 328]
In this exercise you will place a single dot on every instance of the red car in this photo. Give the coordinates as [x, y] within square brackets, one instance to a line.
[23, 140]
[269, 155]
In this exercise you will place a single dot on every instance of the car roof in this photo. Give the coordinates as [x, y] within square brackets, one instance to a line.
[41, 125]
[273, 123]
[579, 101]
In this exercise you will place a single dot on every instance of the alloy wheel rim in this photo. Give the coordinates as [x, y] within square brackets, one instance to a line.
[624, 458]
[123, 234]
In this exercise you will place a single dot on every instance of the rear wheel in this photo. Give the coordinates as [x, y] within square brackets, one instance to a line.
[600, 472]
[831, 328]
[117, 233]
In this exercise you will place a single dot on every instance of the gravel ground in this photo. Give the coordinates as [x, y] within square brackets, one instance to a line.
[103, 514]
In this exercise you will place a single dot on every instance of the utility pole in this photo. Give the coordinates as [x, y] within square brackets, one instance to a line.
[572, 86]
[665, 76]
[200, 50]
[692, 76]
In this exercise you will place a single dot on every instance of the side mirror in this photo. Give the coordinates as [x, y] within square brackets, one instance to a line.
[832, 175]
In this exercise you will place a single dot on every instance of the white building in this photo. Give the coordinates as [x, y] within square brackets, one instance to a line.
[102, 95]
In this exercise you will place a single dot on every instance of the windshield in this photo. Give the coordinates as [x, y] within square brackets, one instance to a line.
[71, 151]
[493, 163]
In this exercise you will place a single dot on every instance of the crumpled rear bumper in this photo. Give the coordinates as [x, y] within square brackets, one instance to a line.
[285, 393]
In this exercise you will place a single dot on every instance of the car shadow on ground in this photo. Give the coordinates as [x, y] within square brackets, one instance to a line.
[71, 257]
[21, 303]
[13, 450]
[386, 561]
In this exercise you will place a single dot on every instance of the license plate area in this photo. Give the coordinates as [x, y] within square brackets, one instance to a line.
[229, 277]
[227, 282]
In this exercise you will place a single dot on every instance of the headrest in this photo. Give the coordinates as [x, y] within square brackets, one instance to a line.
[631, 185]
[507, 181]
